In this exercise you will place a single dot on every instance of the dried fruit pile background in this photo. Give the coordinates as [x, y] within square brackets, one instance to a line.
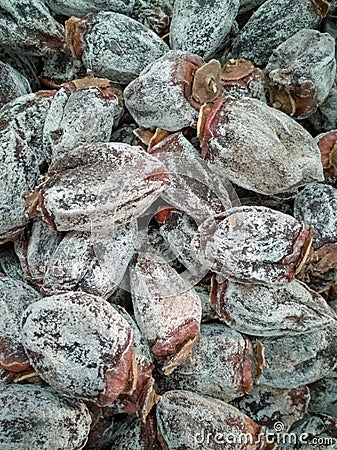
[168, 224]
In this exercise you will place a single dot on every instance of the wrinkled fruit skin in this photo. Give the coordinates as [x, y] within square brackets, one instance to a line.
[281, 156]
[31, 416]
[160, 96]
[89, 349]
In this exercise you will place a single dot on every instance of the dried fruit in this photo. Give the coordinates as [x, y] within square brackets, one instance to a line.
[253, 243]
[327, 143]
[99, 185]
[162, 94]
[282, 155]
[27, 26]
[76, 8]
[89, 262]
[315, 429]
[325, 119]
[110, 44]
[301, 359]
[316, 205]
[35, 248]
[188, 420]
[323, 396]
[154, 14]
[267, 406]
[273, 23]
[241, 79]
[15, 297]
[195, 188]
[201, 28]
[82, 111]
[144, 397]
[21, 124]
[301, 73]
[178, 231]
[166, 308]
[224, 365]
[270, 310]
[39, 418]
[13, 84]
[80, 345]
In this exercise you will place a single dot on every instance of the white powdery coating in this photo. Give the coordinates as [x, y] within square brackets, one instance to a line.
[15, 179]
[72, 340]
[20, 156]
[27, 26]
[15, 297]
[42, 244]
[110, 257]
[262, 149]
[310, 57]
[68, 264]
[301, 359]
[195, 188]
[267, 405]
[155, 100]
[274, 310]
[10, 264]
[78, 118]
[13, 84]
[273, 23]
[322, 426]
[128, 435]
[200, 27]
[325, 118]
[248, 243]
[38, 418]
[108, 183]
[162, 300]
[80, 8]
[183, 418]
[119, 48]
[316, 205]
[217, 365]
[323, 395]
[178, 234]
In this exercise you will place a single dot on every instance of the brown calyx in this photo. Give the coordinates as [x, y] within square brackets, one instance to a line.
[260, 360]
[321, 7]
[184, 71]
[202, 119]
[325, 258]
[301, 252]
[151, 138]
[294, 99]
[206, 85]
[236, 69]
[76, 30]
[90, 81]
[183, 354]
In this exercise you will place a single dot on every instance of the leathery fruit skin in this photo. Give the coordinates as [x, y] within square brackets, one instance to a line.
[80, 345]
[258, 147]
[110, 44]
[181, 423]
[167, 310]
[201, 28]
[98, 186]
[160, 96]
[253, 244]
